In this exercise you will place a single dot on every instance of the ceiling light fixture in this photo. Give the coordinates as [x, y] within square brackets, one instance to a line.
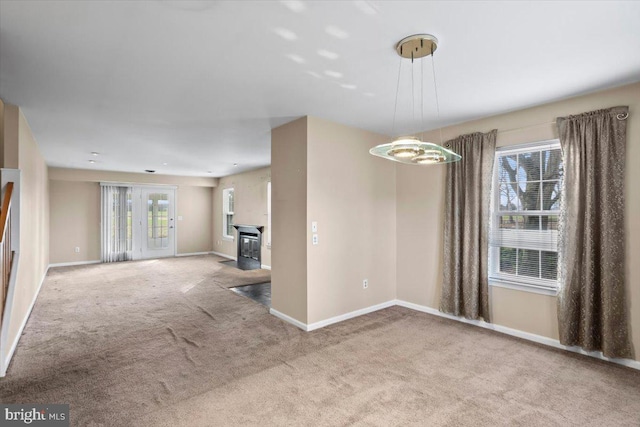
[410, 149]
[95, 153]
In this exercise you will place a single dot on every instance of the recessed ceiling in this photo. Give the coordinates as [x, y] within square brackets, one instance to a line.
[198, 85]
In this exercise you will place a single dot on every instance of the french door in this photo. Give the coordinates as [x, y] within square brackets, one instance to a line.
[154, 223]
[138, 222]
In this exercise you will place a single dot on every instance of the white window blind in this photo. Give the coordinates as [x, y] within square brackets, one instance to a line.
[525, 207]
[227, 212]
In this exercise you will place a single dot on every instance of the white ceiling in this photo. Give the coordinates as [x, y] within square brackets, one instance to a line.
[199, 84]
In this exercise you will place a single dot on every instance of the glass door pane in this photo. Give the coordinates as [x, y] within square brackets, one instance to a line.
[158, 221]
[157, 234]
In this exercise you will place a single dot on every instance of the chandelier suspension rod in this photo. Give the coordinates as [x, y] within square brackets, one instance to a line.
[395, 108]
[435, 89]
[413, 93]
[422, 97]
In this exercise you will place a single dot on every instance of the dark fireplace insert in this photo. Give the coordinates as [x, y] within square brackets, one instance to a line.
[249, 244]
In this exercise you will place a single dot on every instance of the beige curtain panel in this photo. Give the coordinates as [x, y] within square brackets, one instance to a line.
[465, 287]
[592, 310]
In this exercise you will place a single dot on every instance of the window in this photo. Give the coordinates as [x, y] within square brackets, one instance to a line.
[269, 214]
[227, 213]
[524, 222]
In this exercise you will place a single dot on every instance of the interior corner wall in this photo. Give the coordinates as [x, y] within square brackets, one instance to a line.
[250, 207]
[289, 219]
[351, 195]
[75, 211]
[420, 214]
[34, 220]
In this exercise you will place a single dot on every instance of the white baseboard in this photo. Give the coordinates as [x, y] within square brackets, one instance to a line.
[265, 267]
[223, 255]
[635, 364]
[192, 254]
[350, 315]
[14, 345]
[331, 320]
[288, 319]
[69, 264]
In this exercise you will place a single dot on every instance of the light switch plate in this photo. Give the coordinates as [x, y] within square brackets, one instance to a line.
[314, 226]
[314, 239]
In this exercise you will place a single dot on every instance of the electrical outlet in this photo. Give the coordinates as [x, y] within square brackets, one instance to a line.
[314, 239]
[365, 284]
[77, 249]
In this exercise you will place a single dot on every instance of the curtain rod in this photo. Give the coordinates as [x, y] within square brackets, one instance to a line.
[619, 117]
[526, 127]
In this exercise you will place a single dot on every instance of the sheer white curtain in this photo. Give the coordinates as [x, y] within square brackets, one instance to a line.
[116, 223]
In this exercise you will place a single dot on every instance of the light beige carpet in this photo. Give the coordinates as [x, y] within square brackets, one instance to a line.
[164, 343]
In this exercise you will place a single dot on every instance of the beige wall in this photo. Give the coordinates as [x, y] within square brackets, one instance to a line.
[322, 173]
[34, 217]
[289, 219]
[351, 195]
[75, 211]
[250, 207]
[195, 206]
[420, 213]
[75, 221]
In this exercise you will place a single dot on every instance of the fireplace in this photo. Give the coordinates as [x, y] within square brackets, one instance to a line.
[249, 245]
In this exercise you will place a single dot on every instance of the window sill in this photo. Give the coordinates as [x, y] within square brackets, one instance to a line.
[522, 287]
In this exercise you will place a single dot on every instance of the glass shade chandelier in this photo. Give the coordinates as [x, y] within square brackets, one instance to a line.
[410, 149]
